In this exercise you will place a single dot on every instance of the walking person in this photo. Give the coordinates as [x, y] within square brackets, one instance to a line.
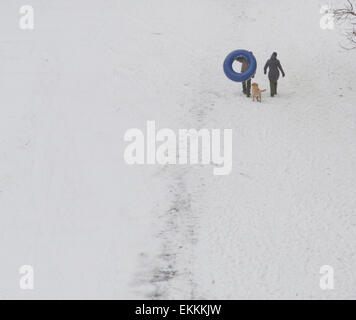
[246, 85]
[274, 66]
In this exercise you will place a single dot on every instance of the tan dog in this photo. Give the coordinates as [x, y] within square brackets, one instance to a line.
[256, 92]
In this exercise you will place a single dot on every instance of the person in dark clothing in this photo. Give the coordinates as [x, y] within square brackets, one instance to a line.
[246, 85]
[274, 67]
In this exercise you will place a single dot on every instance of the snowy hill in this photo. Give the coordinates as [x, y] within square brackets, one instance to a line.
[94, 227]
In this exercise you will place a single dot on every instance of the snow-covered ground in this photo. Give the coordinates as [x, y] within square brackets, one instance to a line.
[94, 227]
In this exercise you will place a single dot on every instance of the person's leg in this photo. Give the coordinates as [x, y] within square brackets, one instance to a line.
[248, 89]
[244, 90]
[275, 89]
[271, 84]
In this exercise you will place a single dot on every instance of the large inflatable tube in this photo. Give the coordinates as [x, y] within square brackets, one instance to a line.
[240, 77]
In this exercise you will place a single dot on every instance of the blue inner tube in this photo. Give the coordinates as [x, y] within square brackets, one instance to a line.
[240, 77]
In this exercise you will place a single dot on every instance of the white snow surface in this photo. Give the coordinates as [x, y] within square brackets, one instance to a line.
[95, 228]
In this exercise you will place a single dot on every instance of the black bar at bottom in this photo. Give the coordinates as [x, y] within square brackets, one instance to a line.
[164, 309]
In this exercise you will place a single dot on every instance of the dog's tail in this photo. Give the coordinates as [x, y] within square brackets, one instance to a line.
[263, 90]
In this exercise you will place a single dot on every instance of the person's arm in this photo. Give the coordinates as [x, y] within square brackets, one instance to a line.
[281, 69]
[266, 66]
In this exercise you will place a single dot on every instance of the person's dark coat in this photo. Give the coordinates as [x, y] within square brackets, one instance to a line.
[274, 67]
